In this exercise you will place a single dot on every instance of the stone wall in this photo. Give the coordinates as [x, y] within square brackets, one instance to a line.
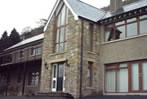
[91, 56]
[72, 55]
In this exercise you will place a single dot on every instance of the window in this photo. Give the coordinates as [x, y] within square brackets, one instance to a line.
[117, 78]
[89, 73]
[126, 28]
[61, 30]
[21, 53]
[32, 51]
[7, 59]
[33, 78]
[126, 77]
[36, 51]
[143, 24]
[132, 29]
[90, 37]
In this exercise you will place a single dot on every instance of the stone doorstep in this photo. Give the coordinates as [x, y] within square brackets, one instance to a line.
[55, 94]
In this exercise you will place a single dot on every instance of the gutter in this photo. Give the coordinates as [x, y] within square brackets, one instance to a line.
[81, 59]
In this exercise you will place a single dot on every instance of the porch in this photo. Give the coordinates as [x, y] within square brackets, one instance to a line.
[20, 79]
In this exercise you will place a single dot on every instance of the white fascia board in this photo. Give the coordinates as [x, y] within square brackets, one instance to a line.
[55, 7]
[72, 11]
[51, 14]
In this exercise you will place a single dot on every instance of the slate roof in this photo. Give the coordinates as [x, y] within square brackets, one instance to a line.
[86, 11]
[127, 8]
[26, 41]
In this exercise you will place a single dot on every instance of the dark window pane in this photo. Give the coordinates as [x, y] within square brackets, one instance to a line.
[90, 38]
[66, 15]
[61, 70]
[121, 33]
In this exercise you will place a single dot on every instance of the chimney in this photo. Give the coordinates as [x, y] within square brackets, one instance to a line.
[115, 4]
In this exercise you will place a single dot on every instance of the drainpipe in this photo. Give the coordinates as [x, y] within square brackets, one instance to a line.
[81, 60]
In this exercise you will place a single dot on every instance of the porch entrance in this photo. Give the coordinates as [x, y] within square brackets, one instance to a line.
[58, 77]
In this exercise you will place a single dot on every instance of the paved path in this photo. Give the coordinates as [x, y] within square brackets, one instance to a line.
[116, 97]
[94, 97]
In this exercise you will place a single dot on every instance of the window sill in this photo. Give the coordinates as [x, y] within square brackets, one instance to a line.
[91, 52]
[123, 39]
[32, 85]
[21, 58]
[59, 53]
[90, 88]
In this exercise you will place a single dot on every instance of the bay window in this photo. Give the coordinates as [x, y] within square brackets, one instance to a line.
[126, 77]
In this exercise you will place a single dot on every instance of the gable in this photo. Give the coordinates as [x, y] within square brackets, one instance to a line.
[56, 10]
[78, 9]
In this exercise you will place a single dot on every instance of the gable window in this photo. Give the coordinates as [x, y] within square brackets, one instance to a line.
[126, 77]
[126, 28]
[90, 37]
[61, 30]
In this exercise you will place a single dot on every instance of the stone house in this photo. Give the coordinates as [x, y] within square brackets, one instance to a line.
[88, 51]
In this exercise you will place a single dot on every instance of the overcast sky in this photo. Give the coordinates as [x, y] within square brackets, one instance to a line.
[23, 13]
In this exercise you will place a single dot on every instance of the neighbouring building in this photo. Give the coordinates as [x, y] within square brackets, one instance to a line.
[87, 51]
[20, 67]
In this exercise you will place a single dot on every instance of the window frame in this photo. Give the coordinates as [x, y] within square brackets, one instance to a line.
[129, 67]
[58, 41]
[90, 36]
[21, 54]
[126, 23]
[31, 76]
[90, 74]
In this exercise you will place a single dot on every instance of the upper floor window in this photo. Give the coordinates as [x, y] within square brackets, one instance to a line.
[35, 51]
[126, 28]
[21, 53]
[7, 59]
[61, 29]
[90, 37]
